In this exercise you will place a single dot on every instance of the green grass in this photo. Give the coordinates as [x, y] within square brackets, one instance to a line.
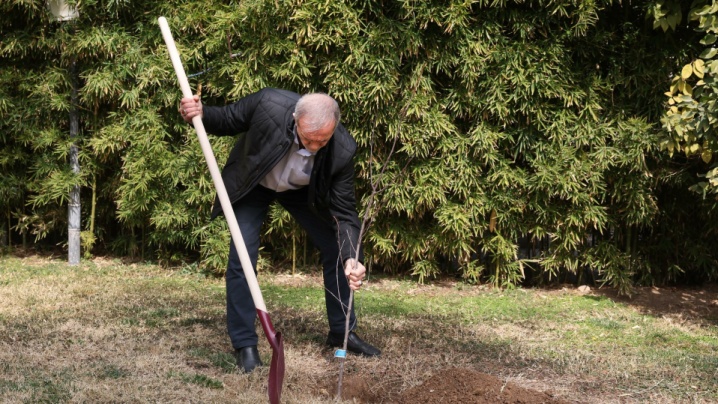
[110, 371]
[50, 389]
[221, 360]
[7, 386]
[198, 379]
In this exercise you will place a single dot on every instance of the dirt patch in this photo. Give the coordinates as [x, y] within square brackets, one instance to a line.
[356, 388]
[451, 386]
[460, 385]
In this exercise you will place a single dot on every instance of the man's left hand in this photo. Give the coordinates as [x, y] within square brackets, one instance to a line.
[355, 273]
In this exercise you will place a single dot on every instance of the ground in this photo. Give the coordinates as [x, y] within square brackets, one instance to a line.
[458, 385]
[115, 332]
[694, 304]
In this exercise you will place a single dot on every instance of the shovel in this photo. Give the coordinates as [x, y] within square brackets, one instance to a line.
[276, 368]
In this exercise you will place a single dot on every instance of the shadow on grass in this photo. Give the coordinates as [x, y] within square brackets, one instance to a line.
[698, 304]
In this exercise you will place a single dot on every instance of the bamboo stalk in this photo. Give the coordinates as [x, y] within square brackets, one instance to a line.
[9, 229]
[93, 206]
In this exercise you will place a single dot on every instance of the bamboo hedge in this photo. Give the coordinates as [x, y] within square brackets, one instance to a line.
[528, 132]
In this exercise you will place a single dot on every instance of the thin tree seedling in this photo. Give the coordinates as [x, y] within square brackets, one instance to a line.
[367, 218]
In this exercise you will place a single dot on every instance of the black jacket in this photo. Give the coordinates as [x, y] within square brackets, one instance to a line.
[264, 120]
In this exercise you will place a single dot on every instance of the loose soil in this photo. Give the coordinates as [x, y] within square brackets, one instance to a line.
[454, 386]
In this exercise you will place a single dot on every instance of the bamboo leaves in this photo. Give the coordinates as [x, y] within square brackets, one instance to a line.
[514, 120]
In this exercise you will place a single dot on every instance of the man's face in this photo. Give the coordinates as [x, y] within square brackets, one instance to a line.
[313, 141]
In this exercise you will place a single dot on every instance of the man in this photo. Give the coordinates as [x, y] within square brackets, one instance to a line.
[293, 150]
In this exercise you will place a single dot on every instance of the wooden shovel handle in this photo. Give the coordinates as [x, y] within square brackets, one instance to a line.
[214, 171]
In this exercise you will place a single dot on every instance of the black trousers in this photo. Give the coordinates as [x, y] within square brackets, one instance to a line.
[251, 212]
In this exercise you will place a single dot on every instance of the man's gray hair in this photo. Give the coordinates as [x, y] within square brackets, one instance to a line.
[316, 110]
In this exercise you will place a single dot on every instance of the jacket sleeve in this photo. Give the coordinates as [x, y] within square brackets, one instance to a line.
[231, 119]
[342, 206]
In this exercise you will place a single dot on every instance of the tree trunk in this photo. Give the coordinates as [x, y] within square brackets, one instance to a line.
[9, 230]
[73, 212]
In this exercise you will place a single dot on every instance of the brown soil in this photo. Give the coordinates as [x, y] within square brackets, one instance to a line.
[460, 386]
[455, 386]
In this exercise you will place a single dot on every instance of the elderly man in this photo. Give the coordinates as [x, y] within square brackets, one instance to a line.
[293, 150]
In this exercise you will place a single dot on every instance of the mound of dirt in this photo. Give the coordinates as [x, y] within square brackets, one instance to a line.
[448, 386]
[460, 386]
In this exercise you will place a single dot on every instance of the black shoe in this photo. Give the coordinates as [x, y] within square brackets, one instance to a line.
[248, 358]
[354, 344]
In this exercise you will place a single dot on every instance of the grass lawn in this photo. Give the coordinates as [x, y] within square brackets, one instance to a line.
[105, 331]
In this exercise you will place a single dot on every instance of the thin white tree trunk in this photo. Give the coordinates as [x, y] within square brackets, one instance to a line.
[73, 209]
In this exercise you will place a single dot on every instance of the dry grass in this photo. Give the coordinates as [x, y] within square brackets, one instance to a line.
[108, 332]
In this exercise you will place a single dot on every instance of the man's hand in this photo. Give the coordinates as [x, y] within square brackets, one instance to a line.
[355, 273]
[190, 107]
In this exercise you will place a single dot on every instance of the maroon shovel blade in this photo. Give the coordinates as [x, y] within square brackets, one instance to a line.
[276, 367]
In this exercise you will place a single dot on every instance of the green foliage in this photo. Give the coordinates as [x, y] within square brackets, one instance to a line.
[691, 120]
[198, 379]
[666, 14]
[514, 120]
